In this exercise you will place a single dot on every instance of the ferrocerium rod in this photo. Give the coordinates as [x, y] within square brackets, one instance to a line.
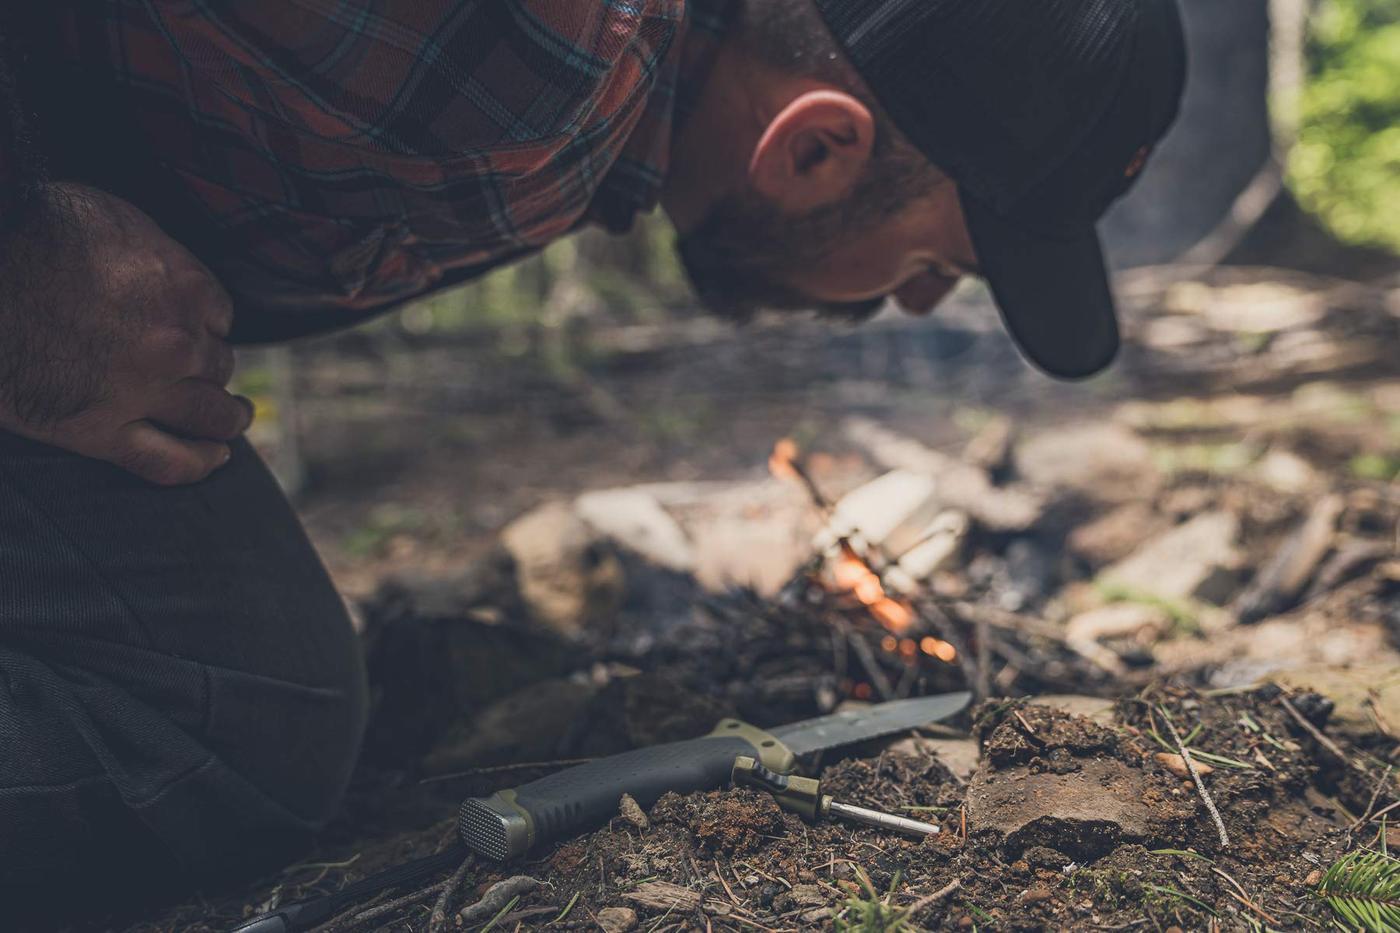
[899, 824]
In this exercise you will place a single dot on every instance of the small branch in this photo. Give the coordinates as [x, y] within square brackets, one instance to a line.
[862, 651]
[942, 625]
[350, 920]
[982, 688]
[1243, 897]
[933, 898]
[1200, 783]
[1316, 733]
[437, 920]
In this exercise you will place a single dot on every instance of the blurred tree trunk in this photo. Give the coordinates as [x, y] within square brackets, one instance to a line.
[1220, 143]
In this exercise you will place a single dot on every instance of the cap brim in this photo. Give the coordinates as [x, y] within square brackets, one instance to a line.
[1053, 292]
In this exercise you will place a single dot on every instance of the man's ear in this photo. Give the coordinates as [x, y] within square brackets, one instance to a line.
[813, 151]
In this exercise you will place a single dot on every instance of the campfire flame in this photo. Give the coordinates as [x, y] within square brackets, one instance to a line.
[780, 461]
[850, 574]
[853, 575]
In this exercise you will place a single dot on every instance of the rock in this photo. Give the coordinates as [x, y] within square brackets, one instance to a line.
[1115, 534]
[1101, 460]
[1095, 709]
[1177, 765]
[566, 578]
[959, 756]
[1084, 814]
[1035, 894]
[617, 919]
[1139, 622]
[808, 895]
[1194, 560]
[636, 520]
[754, 535]
[1363, 693]
[1283, 471]
[630, 811]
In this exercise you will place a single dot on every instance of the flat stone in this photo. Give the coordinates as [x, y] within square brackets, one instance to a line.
[1084, 813]
[959, 756]
[1102, 460]
[617, 919]
[1362, 693]
[1115, 534]
[1194, 560]
[1096, 709]
[636, 520]
[566, 578]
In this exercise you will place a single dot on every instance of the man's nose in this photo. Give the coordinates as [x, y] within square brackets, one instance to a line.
[923, 292]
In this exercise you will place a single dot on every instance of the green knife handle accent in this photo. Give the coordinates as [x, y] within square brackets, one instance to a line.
[574, 800]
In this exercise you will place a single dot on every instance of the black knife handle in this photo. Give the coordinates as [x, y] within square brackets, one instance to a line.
[577, 799]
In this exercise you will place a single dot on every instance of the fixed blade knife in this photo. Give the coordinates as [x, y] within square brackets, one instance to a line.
[511, 822]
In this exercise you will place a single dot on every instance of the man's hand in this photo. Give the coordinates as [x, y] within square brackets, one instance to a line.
[112, 341]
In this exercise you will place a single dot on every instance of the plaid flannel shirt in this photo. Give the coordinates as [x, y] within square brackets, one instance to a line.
[350, 154]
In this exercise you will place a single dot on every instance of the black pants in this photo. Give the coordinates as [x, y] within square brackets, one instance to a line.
[181, 692]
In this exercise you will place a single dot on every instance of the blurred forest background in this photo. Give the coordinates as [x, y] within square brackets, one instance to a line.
[412, 439]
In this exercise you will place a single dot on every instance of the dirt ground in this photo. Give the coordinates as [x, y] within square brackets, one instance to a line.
[1140, 852]
[1256, 398]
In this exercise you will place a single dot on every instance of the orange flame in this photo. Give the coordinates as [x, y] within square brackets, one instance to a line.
[939, 649]
[780, 460]
[851, 574]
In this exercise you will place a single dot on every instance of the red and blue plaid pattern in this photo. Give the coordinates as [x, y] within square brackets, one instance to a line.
[354, 153]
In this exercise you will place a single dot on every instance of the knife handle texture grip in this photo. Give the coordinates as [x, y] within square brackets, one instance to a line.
[582, 798]
[587, 796]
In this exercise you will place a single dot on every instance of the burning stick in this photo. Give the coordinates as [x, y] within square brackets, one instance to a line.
[784, 463]
[850, 572]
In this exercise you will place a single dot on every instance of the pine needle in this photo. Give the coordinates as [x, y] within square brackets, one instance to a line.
[1363, 889]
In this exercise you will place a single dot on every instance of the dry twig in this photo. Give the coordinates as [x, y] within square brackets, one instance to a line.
[438, 918]
[496, 898]
[358, 917]
[1316, 733]
[933, 898]
[1200, 782]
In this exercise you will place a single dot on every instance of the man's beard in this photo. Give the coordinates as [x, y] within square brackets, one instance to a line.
[743, 256]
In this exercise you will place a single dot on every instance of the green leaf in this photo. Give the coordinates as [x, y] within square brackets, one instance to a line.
[1363, 890]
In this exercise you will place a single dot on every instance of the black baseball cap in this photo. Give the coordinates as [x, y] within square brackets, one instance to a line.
[1044, 113]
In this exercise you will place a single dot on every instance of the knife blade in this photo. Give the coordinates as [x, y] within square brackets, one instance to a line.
[870, 722]
[511, 822]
